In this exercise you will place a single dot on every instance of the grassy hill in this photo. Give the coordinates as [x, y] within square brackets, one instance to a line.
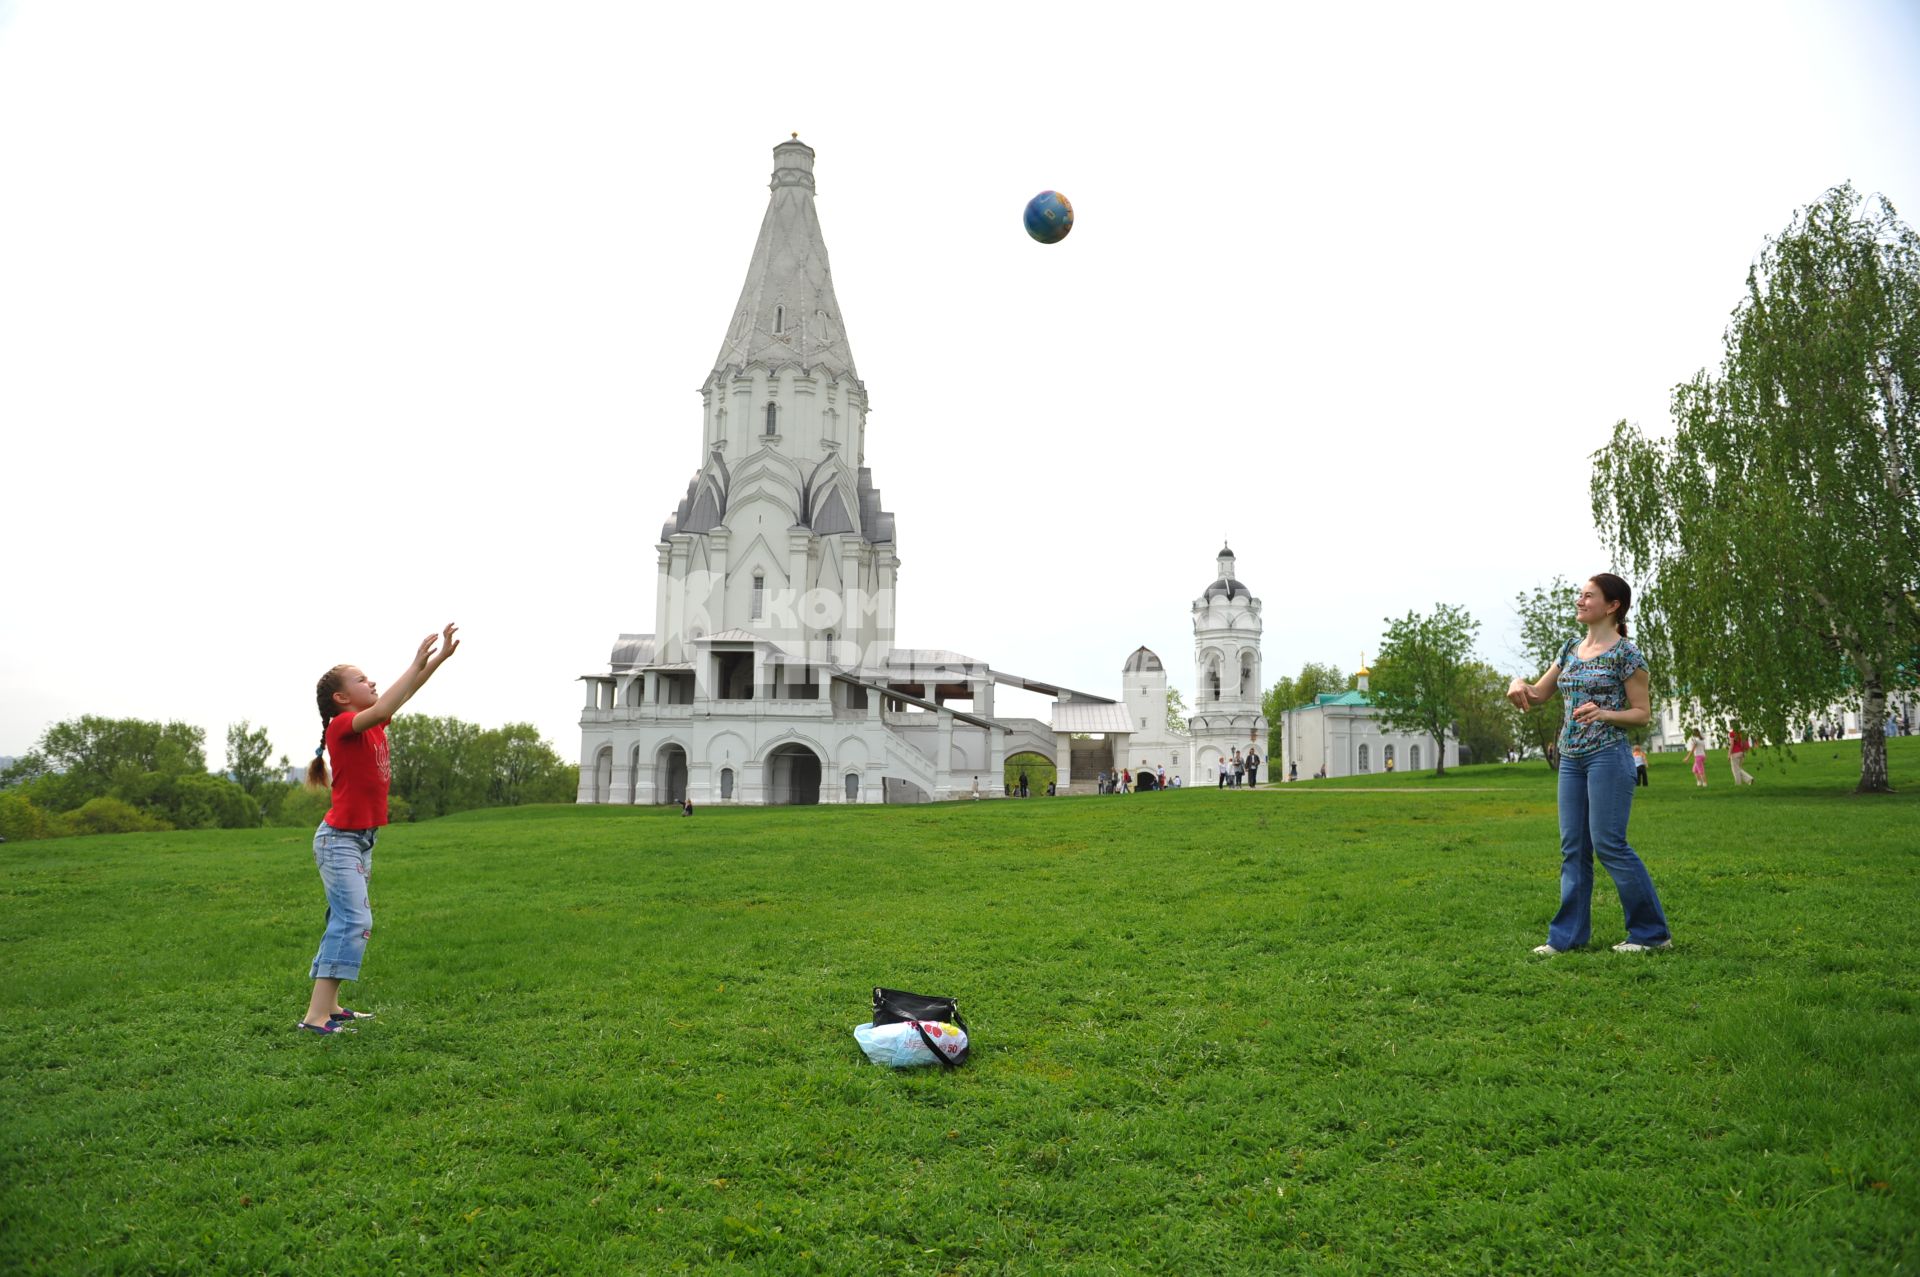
[1288, 1030]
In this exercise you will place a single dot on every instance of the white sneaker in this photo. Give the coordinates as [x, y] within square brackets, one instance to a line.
[1547, 951]
[1628, 946]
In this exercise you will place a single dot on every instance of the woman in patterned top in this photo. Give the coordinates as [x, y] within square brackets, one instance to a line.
[1605, 681]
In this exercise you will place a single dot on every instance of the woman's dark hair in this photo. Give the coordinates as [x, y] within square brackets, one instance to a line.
[1614, 590]
[330, 682]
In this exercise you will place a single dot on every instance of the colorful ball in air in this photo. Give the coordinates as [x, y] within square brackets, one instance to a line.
[1049, 217]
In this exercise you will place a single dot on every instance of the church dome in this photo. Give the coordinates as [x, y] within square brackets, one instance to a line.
[1225, 585]
[1143, 659]
[1225, 588]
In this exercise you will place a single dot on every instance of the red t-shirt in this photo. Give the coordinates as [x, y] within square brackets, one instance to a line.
[360, 773]
[1736, 743]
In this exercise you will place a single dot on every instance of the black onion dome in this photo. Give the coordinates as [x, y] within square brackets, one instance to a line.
[1225, 588]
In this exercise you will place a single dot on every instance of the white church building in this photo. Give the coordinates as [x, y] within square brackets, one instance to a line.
[1340, 734]
[771, 676]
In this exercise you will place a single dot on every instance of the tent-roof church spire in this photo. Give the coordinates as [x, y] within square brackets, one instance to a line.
[787, 312]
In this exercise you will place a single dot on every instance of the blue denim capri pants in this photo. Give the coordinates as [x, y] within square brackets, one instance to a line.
[345, 861]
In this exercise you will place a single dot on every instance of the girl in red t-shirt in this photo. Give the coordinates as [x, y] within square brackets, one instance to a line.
[353, 735]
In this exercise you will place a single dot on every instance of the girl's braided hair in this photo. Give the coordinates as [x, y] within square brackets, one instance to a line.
[330, 682]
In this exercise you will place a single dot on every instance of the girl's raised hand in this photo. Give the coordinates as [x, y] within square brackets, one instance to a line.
[452, 643]
[421, 657]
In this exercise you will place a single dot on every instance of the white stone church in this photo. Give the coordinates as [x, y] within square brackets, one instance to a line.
[772, 676]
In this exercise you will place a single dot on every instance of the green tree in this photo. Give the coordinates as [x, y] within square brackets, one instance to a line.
[84, 758]
[1176, 712]
[1291, 693]
[517, 766]
[1040, 774]
[1422, 677]
[1546, 622]
[1487, 720]
[1775, 539]
[435, 764]
[247, 753]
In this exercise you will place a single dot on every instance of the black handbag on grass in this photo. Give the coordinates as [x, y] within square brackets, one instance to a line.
[896, 1006]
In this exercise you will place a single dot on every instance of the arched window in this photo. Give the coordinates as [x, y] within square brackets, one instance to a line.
[1413, 757]
[773, 417]
[853, 787]
[1365, 764]
[726, 782]
[1213, 677]
[1387, 757]
[759, 594]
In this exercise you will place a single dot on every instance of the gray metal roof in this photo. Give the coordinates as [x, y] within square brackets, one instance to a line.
[1088, 716]
[632, 650]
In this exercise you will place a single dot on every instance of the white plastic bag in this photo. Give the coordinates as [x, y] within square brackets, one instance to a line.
[901, 1047]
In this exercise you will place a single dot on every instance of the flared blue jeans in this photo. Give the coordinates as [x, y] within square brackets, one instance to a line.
[1596, 796]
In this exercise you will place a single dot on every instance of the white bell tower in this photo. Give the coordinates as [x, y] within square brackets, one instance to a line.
[1226, 673]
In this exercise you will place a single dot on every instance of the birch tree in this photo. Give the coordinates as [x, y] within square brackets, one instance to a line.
[1774, 540]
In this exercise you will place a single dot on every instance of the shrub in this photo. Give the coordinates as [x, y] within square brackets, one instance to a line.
[21, 821]
[270, 795]
[191, 800]
[113, 816]
[302, 808]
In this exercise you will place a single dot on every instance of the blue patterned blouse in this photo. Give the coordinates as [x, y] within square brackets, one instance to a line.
[1602, 680]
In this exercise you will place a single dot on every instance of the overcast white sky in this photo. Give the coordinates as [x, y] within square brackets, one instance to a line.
[321, 325]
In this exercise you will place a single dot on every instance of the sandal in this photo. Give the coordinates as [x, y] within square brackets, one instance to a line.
[323, 1028]
[345, 1014]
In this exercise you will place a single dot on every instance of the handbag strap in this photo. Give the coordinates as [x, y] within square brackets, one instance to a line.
[938, 1054]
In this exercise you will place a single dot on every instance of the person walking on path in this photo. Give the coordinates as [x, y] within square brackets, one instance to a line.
[1253, 769]
[1639, 766]
[1738, 747]
[1697, 746]
[1293, 770]
[1606, 684]
[353, 739]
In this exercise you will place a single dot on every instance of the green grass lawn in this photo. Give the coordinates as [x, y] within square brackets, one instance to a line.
[1291, 1030]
